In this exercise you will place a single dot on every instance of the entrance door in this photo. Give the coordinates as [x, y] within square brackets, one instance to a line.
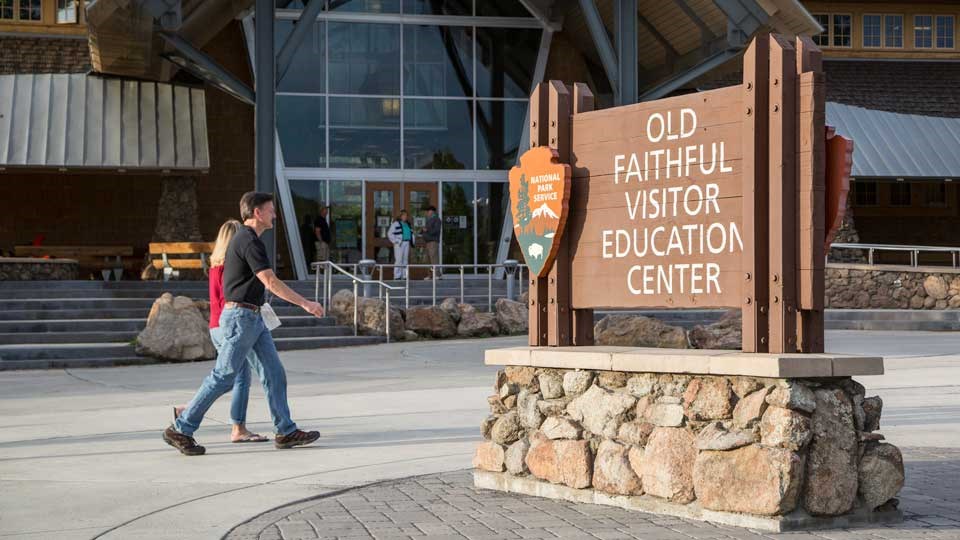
[384, 202]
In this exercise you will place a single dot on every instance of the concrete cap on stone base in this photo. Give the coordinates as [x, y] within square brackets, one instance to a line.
[695, 362]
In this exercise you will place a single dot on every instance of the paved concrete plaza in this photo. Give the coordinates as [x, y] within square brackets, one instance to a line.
[81, 455]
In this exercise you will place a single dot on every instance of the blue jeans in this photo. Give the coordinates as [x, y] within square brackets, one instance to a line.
[241, 386]
[243, 331]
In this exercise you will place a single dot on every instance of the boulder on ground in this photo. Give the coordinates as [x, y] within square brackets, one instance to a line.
[638, 331]
[476, 324]
[430, 321]
[452, 308]
[723, 334]
[513, 317]
[371, 315]
[881, 474]
[176, 330]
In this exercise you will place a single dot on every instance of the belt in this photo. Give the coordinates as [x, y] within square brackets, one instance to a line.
[252, 307]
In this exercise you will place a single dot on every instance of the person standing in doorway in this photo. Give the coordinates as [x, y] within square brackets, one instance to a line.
[322, 233]
[431, 235]
[401, 236]
[246, 277]
[308, 239]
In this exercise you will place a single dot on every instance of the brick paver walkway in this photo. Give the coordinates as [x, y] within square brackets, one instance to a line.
[446, 506]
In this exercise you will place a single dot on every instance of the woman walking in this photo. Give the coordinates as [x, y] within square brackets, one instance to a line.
[241, 386]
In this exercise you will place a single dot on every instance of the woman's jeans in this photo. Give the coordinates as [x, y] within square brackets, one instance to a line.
[241, 386]
[242, 331]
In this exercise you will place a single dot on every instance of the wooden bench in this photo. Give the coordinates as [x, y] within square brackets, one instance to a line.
[185, 256]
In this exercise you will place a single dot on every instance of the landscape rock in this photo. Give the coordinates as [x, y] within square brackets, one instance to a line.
[556, 427]
[708, 399]
[487, 426]
[664, 414]
[521, 375]
[872, 408]
[508, 389]
[636, 433]
[794, 396]
[371, 315]
[612, 472]
[554, 407]
[513, 317]
[750, 409]
[716, 437]
[723, 334]
[785, 428]
[881, 474]
[642, 384]
[515, 458]
[561, 462]
[751, 479]
[477, 324]
[551, 385]
[638, 331]
[612, 380]
[667, 466]
[743, 386]
[530, 416]
[507, 428]
[601, 411]
[576, 382]
[176, 330]
[489, 457]
[451, 308]
[673, 385]
[935, 287]
[430, 321]
[832, 475]
[496, 405]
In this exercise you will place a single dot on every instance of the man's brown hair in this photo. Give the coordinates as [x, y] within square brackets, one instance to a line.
[252, 200]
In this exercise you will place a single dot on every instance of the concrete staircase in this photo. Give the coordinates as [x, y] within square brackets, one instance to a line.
[57, 324]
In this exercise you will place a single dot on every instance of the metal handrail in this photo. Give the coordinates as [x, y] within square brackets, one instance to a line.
[462, 268]
[913, 250]
[357, 281]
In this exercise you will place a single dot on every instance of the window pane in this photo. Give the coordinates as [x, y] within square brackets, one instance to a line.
[437, 134]
[437, 61]
[6, 9]
[944, 31]
[505, 61]
[457, 222]
[900, 194]
[499, 126]
[366, 6]
[30, 10]
[936, 194]
[841, 31]
[364, 58]
[346, 220]
[871, 30]
[383, 216]
[501, 8]
[66, 11]
[365, 132]
[308, 197]
[301, 122]
[306, 72]
[894, 31]
[865, 193]
[492, 201]
[439, 7]
[923, 31]
[823, 38]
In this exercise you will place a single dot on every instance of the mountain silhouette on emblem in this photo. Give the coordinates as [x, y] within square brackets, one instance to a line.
[545, 212]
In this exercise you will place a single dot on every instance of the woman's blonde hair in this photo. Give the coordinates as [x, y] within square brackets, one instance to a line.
[227, 230]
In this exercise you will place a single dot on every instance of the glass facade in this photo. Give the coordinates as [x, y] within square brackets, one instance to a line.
[371, 113]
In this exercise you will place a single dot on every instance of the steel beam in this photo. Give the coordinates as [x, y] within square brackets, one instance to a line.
[265, 110]
[626, 17]
[608, 57]
[677, 81]
[746, 15]
[541, 14]
[218, 75]
[300, 30]
[706, 34]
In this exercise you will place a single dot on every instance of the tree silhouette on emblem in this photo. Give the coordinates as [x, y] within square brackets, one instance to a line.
[523, 203]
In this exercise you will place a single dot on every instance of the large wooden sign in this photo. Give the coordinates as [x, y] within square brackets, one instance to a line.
[539, 192]
[707, 200]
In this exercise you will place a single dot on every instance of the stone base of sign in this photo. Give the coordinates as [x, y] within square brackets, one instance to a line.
[766, 441]
[795, 521]
[36, 269]
[688, 361]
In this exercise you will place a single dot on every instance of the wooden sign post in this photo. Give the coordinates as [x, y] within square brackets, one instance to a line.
[712, 199]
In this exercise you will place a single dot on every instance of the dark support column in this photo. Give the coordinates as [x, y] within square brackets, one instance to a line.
[627, 60]
[265, 123]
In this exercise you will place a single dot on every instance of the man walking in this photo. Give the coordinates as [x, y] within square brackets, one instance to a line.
[431, 235]
[246, 274]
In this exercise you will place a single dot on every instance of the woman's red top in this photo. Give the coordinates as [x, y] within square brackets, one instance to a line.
[216, 295]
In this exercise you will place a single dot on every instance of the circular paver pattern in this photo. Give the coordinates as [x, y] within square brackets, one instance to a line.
[447, 506]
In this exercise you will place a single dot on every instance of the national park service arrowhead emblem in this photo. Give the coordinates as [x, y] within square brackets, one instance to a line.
[539, 195]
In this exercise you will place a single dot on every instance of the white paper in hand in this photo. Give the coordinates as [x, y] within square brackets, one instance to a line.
[270, 318]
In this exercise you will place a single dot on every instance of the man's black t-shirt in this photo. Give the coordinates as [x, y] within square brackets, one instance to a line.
[246, 255]
[321, 223]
